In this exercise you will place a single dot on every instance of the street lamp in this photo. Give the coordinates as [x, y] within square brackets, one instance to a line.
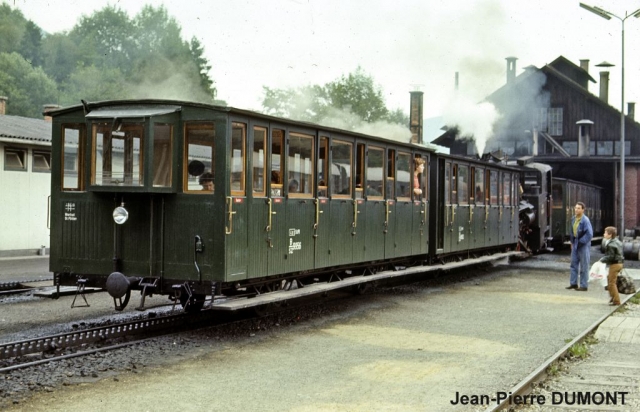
[608, 15]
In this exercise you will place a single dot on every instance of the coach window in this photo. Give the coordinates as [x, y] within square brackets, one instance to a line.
[277, 164]
[375, 167]
[73, 138]
[391, 174]
[41, 161]
[237, 175]
[454, 184]
[259, 159]
[162, 138]
[300, 165]
[493, 188]
[323, 167]
[447, 184]
[403, 176]
[341, 169]
[198, 176]
[15, 159]
[463, 185]
[479, 186]
[117, 156]
[360, 171]
[506, 189]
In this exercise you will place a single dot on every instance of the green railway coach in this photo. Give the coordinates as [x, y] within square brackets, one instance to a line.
[191, 200]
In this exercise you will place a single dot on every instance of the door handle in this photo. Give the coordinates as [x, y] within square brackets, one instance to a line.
[318, 212]
[270, 213]
[230, 213]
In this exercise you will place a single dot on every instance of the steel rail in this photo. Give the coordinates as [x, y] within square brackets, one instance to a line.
[526, 386]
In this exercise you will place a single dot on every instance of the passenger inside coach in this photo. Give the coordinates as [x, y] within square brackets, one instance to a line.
[206, 181]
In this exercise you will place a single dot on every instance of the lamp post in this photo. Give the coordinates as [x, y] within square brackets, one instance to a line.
[608, 15]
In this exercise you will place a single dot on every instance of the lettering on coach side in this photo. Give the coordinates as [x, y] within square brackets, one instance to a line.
[70, 211]
[294, 245]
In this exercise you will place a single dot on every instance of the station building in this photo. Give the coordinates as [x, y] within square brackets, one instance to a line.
[550, 114]
[25, 181]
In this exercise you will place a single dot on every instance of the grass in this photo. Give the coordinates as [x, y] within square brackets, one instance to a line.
[579, 351]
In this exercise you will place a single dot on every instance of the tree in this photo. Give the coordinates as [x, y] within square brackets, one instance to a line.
[60, 56]
[197, 54]
[31, 44]
[28, 88]
[12, 27]
[347, 101]
[94, 84]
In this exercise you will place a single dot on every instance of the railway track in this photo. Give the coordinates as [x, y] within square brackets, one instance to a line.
[612, 381]
[20, 286]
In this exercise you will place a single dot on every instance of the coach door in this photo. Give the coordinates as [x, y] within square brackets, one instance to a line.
[300, 205]
[377, 210]
[258, 177]
[342, 220]
[322, 230]
[478, 207]
[492, 213]
[462, 218]
[404, 217]
[419, 227]
[236, 207]
[449, 208]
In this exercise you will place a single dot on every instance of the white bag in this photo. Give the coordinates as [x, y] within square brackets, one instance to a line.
[599, 271]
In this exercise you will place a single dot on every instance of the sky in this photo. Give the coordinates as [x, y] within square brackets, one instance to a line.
[403, 45]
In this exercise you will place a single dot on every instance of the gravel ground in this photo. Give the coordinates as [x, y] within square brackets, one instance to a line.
[409, 347]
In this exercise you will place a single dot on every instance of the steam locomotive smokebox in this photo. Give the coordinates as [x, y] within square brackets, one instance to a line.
[630, 249]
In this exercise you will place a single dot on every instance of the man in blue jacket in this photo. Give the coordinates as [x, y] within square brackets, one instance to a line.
[581, 234]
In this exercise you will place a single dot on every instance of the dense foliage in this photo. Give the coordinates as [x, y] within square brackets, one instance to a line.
[353, 99]
[106, 55]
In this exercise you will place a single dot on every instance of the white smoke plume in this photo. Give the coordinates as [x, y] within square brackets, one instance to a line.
[473, 120]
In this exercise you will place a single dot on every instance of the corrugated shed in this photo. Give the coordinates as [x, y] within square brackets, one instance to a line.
[25, 129]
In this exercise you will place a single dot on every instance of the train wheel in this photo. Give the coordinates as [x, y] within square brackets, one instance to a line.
[193, 304]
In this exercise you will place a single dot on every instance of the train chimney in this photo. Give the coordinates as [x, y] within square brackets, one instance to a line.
[415, 117]
[47, 108]
[584, 131]
[631, 110]
[3, 105]
[511, 68]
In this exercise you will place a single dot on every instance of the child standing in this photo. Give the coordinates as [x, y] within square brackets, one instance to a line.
[613, 257]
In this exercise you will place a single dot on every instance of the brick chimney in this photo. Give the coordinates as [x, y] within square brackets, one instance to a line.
[3, 105]
[415, 116]
[631, 110]
[511, 68]
[47, 108]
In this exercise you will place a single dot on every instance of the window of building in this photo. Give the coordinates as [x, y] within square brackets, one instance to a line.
[604, 148]
[627, 147]
[300, 161]
[41, 161]
[571, 147]
[199, 173]
[550, 120]
[15, 159]
[73, 142]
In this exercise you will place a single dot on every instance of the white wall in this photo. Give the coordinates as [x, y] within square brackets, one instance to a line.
[23, 204]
